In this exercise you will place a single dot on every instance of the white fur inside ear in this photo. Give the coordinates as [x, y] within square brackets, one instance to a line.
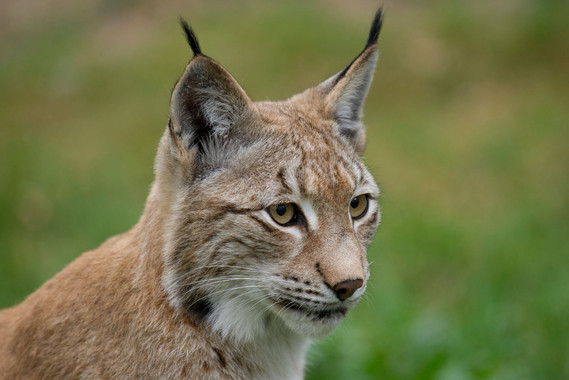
[348, 107]
[352, 93]
[219, 111]
[348, 96]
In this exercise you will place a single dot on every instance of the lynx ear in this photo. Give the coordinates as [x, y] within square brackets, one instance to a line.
[206, 102]
[346, 91]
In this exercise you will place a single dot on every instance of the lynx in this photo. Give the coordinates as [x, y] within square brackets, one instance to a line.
[252, 242]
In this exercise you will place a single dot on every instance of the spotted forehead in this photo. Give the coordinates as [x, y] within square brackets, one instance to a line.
[324, 174]
[315, 161]
[318, 167]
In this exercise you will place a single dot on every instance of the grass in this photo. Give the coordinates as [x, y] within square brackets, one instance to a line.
[467, 135]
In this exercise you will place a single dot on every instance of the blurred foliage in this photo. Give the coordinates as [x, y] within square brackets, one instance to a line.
[467, 135]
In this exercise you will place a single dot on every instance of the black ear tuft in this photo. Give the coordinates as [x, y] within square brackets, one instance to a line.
[191, 37]
[375, 28]
[371, 40]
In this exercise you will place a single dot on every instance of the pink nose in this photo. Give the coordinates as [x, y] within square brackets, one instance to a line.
[345, 289]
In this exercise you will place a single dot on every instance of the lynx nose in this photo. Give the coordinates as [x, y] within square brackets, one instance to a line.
[345, 289]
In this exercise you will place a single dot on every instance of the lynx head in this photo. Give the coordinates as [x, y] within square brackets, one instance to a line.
[270, 208]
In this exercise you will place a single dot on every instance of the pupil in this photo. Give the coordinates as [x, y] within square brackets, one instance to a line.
[355, 202]
[281, 210]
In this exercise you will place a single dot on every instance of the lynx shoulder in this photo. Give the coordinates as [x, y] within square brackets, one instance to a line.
[252, 242]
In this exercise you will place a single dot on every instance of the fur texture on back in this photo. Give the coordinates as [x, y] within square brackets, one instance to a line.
[252, 242]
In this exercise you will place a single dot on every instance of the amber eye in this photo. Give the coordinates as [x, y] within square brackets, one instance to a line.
[358, 206]
[283, 213]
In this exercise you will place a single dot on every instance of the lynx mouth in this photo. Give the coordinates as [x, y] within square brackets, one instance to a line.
[314, 314]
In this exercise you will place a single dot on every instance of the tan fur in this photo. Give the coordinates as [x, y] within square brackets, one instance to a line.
[206, 284]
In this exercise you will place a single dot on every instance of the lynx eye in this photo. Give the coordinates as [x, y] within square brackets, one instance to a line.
[283, 213]
[358, 206]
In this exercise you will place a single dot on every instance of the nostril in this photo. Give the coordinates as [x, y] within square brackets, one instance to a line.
[345, 289]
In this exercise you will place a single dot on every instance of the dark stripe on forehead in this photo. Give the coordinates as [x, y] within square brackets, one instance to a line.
[301, 180]
[347, 161]
[352, 173]
[282, 178]
[299, 175]
[363, 170]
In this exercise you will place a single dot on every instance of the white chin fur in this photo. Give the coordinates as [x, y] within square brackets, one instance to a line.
[305, 326]
[244, 319]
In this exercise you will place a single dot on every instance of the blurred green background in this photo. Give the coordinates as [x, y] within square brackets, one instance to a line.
[468, 137]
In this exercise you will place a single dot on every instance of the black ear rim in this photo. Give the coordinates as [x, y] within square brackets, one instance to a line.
[373, 36]
[375, 28]
[190, 37]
